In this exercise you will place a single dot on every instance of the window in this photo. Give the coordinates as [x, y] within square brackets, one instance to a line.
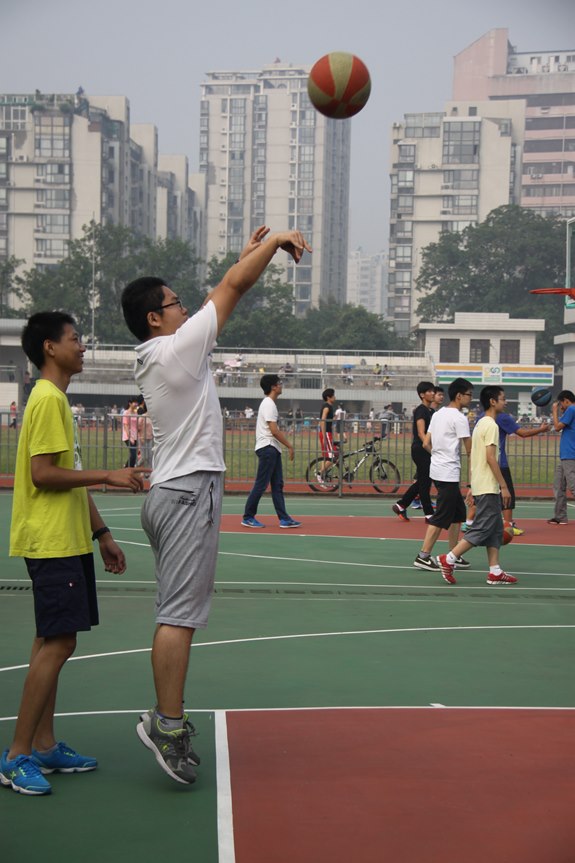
[479, 351]
[51, 248]
[52, 136]
[449, 350]
[53, 172]
[509, 351]
[461, 142]
[407, 153]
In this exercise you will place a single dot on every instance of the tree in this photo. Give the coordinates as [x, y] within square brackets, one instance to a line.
[90, 279]
[8, 269]
[492, 266]
[348, 327]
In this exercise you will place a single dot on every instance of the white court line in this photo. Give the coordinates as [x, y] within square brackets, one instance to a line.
[523, 707]
[337, 634]
[226, 848]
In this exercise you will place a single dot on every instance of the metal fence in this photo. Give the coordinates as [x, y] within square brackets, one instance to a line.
[532, 460]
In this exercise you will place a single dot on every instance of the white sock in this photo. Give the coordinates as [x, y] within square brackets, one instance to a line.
[451, 558]
[495, 570]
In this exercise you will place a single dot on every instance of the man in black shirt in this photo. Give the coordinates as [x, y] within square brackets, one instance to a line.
[421, 419]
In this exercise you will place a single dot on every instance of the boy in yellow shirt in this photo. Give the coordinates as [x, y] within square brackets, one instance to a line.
[54, 523]
[488, 491]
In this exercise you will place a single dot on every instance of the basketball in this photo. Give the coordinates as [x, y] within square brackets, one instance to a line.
[339, 85]
[541, 396]
[507, 532]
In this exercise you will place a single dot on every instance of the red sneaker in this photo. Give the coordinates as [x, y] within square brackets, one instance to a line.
[446, 569]
[502, 578]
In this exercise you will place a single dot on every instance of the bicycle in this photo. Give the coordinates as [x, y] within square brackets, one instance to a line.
[383, 474]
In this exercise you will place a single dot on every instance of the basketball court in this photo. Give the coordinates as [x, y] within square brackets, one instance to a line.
[348, 705]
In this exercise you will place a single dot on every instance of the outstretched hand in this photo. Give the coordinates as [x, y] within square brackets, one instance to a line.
[294, 244]
[128, 477]
[254, 241]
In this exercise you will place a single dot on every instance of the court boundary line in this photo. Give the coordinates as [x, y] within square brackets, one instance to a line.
[226, 847]
[302, 635]
[76, 714]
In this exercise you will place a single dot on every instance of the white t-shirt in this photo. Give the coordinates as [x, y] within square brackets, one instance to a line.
[174, 377]
[267, 413]
[447, 427]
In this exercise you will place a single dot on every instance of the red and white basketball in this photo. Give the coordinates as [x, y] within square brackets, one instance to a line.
[507, 532]
[339, 85]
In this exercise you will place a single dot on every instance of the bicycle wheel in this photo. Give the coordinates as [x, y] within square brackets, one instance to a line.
[330, 476]
[384, 476]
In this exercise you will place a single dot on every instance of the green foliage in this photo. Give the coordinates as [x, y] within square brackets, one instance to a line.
[8, 285]
[99, 265]
[492, 266]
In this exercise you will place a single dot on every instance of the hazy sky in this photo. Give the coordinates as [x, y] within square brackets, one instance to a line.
[156, 53]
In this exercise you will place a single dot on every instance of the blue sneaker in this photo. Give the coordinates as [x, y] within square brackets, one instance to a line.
[289, 522]
[248, 521]
[23, 775]
[416, 504]
[63, 759]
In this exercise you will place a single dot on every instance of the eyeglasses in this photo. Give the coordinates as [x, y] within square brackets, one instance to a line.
[176, 302]
[468, 394]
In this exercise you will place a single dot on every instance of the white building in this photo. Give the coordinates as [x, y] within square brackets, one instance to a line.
[270, 157]
[367, 281]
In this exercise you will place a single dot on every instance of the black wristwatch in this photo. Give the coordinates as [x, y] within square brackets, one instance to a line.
[100, 532]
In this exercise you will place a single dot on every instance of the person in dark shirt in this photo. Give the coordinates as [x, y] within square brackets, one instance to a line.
[422, 484]
[325, 431]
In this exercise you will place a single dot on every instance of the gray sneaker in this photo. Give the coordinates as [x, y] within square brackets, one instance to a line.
[192, 756]
[426, 563]
[172, 749]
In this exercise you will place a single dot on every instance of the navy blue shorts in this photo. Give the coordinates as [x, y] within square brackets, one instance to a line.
[65, 598]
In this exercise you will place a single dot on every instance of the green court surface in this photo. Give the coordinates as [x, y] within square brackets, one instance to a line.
[321, 620]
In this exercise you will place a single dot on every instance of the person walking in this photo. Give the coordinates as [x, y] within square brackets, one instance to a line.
[269, 441]
[565, 470]
[488, 490]
[448, 429]
[420, 488]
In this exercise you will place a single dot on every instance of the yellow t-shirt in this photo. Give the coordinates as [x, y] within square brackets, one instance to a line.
[48, 523]
[485, 433]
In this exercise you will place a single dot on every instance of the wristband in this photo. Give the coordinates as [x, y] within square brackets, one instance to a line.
[100, 532]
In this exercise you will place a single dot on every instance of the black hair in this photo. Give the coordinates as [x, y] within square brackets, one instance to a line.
[140, 297]
[438, 389]
[424, 386]
[459, 385]
[488, 393]
[566, 394]
[42, 326]
[267, 382]
[327, 394]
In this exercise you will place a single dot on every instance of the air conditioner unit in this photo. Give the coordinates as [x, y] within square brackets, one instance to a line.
[445, 212]
[221, 233]
[223, 199]
[447, 185]
[536, 176]
[563, 67]
[545, 68]
[221, 248]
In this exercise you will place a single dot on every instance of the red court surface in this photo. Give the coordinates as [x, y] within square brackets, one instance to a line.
[373, 785]
[539, 532]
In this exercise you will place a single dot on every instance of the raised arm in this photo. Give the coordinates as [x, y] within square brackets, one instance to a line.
[243, 275]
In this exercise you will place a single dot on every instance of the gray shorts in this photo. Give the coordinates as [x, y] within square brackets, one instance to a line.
[181, 518]
[487, 528]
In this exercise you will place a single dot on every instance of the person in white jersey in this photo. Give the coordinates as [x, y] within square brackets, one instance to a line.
[447, 430]
[269, 440]
[181, 514]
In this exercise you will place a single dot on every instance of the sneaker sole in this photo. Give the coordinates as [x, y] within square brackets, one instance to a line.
[7, 783]
[48, 770]
[419, 565]
[287, 526]
[149, 744]
[255, 526]
[500, 583]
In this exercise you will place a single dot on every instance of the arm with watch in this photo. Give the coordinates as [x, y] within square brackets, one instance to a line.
[112, 554]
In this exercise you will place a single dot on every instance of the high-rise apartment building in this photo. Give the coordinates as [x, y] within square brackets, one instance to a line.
[508, 136]
[66, 159]
[544, 83]
[367, 281]
[270, 157]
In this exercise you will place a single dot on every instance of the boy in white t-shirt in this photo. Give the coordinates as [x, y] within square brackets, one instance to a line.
[269, 438]
[447, 430]
[182, 511]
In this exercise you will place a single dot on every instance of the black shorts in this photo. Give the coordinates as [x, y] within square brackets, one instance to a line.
[64, 594]
[450, 505]
[506, 472]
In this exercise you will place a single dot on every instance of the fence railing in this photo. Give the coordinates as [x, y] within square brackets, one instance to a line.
[532, 460]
